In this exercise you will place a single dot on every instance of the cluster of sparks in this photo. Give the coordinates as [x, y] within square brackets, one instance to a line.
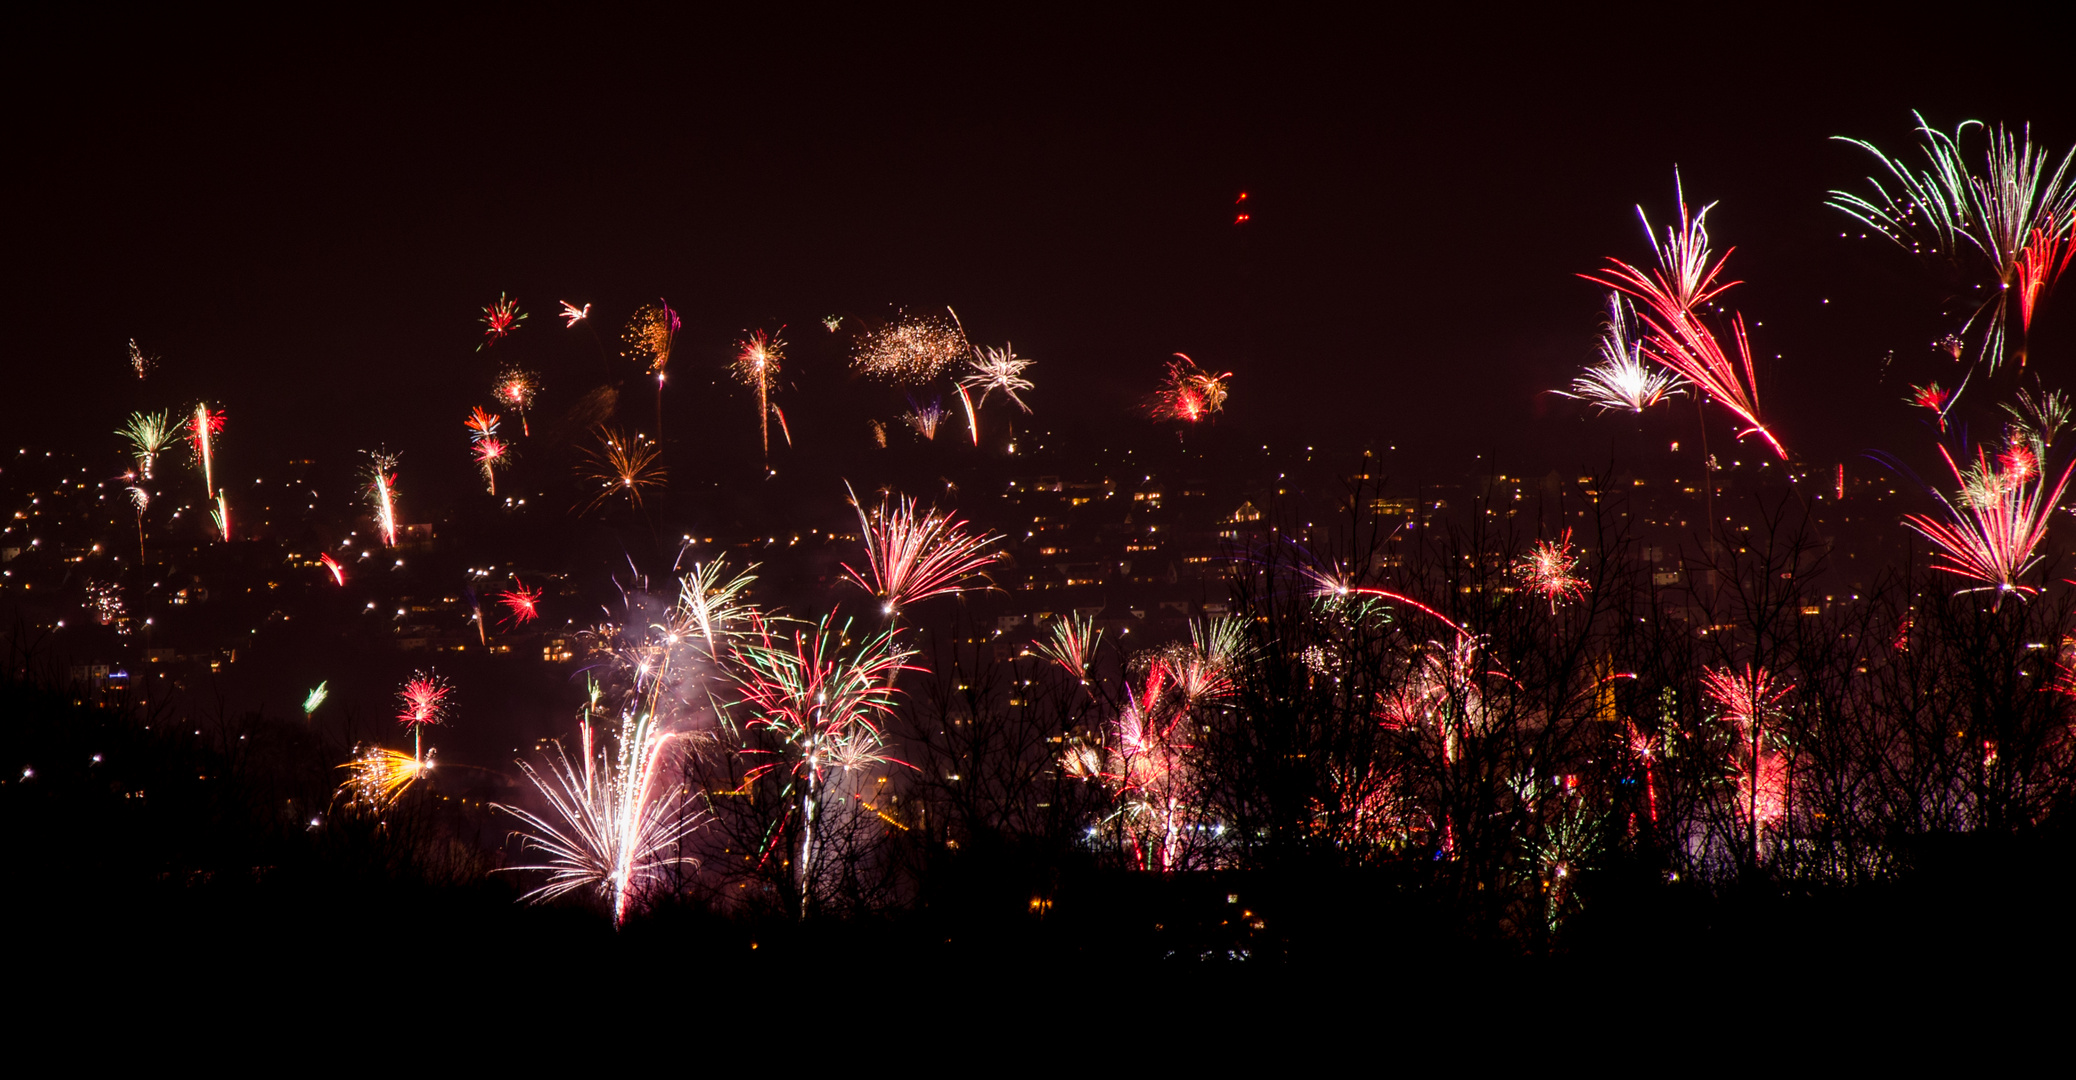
[149, 435]
[1624, 380]
[649, 335]
[140, 361]
[490, 451]
[1746, 699]
[622, 465]
[1550, 570]
[515, 389]
[998, 369]
[522, 603]
[500, 318]
[1189, 393]
[912, 349]
[757, 360]
[382, 494]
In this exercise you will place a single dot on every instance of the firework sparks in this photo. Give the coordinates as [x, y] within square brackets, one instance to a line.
[378, 777]
[1189, 393]
[424, 699]
[140, 501]
[610, 825]
[105, 600]
[1623, 380]
[1331, 585]
[972, 418]
[2011, 220]
[649, 335]
[1747, 698]
[756, 366]
[515, 390]
[1075, 639]
[499, 320]
[912, 349]
[621, 465]
[1934, 397]
[202, 429]
[140, 361]
[1673, 295]
[481, 424]
[924, 418]
[1550, 570]
[913, 555]
[221, 515]
[711, 607]
[831, 322]
[998, 369]
[491, 455]
[521, 602]
[149, 435]
[315, 698]
[823, 701]
[338, 572]
[2002, 518]
[572, 314]
[382, 494]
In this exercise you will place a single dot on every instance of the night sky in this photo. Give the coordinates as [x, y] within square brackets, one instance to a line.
[304, 221]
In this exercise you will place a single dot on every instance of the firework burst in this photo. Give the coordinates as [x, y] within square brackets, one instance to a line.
[221, 515]
[2010, 224]
[140, 361]
[998, 369]
[1075, 639]
[382, 494]
[202, 429]
[521, 603]
[1550, 570]
[315, 698]
[611, 825]
[1934, 397]
[1623, 379]
[757, 359]
[149, 435]
[140, 501]
[1673, 295]
[1748, 698]
[713, 607]
[649, 335]
[572, 314]
[621, 465]
[912, 555]
[424, 700]
[924, 418]
[515, 390]
[2002, 518]
[499, 320]
[378, 776]
[912, 349]
[492, 455]
[1188, 393]
[481, 424]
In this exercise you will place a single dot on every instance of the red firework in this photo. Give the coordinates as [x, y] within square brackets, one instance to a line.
[500, 319]
[521, 602]
[338, 572]
[424, 700]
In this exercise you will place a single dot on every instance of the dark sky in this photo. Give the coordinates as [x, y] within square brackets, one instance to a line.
[304, 220]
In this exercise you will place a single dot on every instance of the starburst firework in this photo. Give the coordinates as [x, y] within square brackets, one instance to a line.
[521, 602]
[1623, 379]
[914, 555]
[150, 434]
[1550, 570]
[621, 465]
[499, 320]
[515, 389]
[2002, 518]
[1189, 393]
[998, 369]
[757, 359]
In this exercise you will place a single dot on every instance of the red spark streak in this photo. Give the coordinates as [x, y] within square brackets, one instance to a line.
[331, 564]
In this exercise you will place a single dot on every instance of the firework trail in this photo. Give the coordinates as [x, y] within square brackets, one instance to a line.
[913, 349]
[315, 698]
[1622, 380]
[924, 418]
[572, 314]
[1672, 296]
[382, 494]
[142, 362]
[424, 699]
[1188, 393]
[140, 501]
[1550, 570]
[610, 825]
[879, 433]
[521, 602]
[757, 361]
[491, 455]
[2002, 518]
[972, 418]
[338, 572]
[378, 777]
[621, 465]
[202, 430]
[221, 515]
[783, 429]
[499, 320]
[1075, 639]
[998, 369]
[824, 702]
[914, 556]
[515, 390]
[150, 434]
[2013, 220]
[1325, 584]
[648, 338]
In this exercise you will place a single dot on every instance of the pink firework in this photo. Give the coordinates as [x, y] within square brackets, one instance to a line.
[424, 701]
[499, 320]
[491, 456]
[521, 602]
[572, 314]
[1745, 697]
[1992, 535]
[1550, 570]
[914, 555]
[1766, 801]
[202, 429]
[338, 572]
[515, 390]
[1934, 397]
[1673, 295]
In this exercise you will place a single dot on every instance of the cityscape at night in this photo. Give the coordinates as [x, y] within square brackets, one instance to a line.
[711, 501]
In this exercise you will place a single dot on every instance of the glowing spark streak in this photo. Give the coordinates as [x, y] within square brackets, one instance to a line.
[1329, 587]
[972, 421]
[378, 777]
[315, 698]
[1075, 639]
[222, 516]
[382, 492]
[572, 314]
[338, 572]
[757, 361]
[201, 430]
[914, 556]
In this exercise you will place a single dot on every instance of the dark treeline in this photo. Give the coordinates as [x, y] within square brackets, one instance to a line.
[1394, 748]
